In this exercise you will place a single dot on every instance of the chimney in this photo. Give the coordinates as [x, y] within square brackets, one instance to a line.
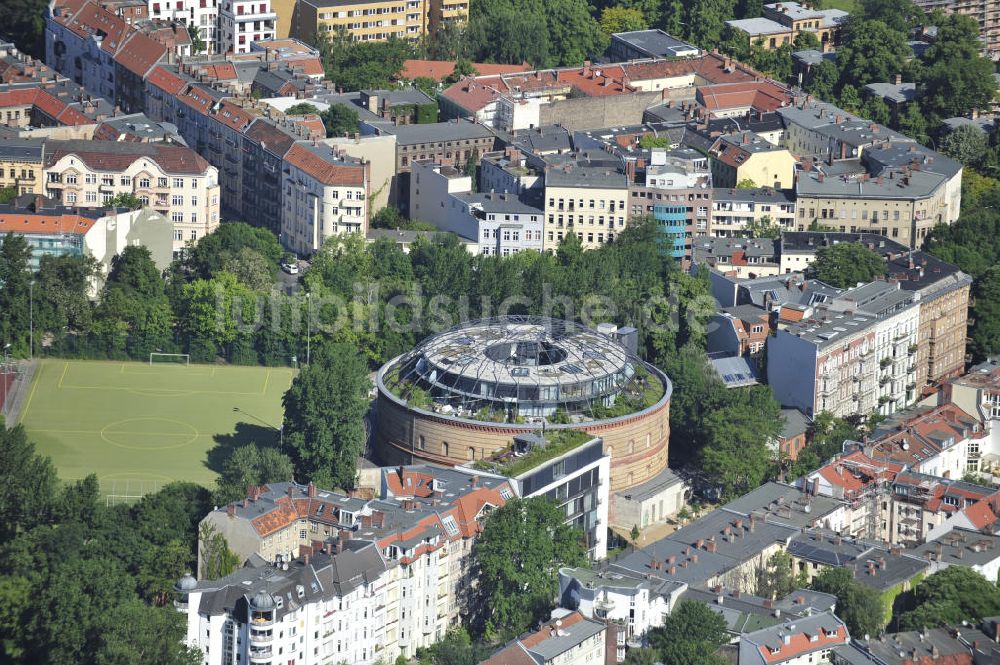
[312, 490]
[898, 79]
[291, 491]
[305, 559]
[474, 481]
[246, 502]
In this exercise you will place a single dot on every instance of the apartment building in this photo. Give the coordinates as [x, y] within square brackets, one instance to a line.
[202, 14]
[331, 606]
[825, 362]
[375, 20]
[798, 248]
[567, 638]
[676, 190]
[502, 224]
[735, 211]
[21, 165]
[54, 230]
[737, 258]
[242, 22]
[852, 354]
[425, 522]
[264, 148]
[586, 195]
[325, 193]
[805, 641]
[173, 180]
[943, 293]
[782, 22]
[737, 158]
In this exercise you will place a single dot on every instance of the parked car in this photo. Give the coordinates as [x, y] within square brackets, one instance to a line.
[290, 268]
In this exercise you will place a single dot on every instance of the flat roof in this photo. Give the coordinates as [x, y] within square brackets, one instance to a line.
[656, 43]
[759, 26]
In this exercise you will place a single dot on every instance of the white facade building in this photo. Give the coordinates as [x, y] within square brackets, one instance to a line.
[325, 194]
[501, 223]
[204, 14]
[330, 609]
[242, 22]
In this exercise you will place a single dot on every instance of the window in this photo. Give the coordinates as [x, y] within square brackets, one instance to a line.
[178, 182]
[144, 183]
[71, 197]
[177, 217]
[70, 178]
[161, 182]
[176, 200]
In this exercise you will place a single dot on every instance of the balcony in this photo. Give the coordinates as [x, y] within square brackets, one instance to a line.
[258, 637]
[260, 654]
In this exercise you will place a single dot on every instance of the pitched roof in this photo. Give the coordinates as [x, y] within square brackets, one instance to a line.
[56, 224]
[117, 156]
[165, 80]
[326, 171]
[140, 53]
[269, 137]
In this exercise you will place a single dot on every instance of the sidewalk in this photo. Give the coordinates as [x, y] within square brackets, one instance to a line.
[19, 393]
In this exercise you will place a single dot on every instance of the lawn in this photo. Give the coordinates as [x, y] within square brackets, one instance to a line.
[139, 426]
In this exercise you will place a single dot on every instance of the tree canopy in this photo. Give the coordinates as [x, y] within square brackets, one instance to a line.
[324, 416]
[951, 596]
[690, 635]
[545, 33]
[845, 264]
[858, 605]
[522, 546]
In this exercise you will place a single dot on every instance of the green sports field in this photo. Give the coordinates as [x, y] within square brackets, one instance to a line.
[139, 426]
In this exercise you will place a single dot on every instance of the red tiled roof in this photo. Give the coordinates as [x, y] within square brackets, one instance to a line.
[310, 66]
[442, 69]
[801, 643]
[763, 96]
[165, 80]
[233, 116]
[197, 99]
[980, 514]
[46, 103]
[15, 222]
[140, 53]
[326, 172]
[93, 20]
[223, 71]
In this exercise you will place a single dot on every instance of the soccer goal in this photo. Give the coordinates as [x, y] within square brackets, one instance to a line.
[170, 358]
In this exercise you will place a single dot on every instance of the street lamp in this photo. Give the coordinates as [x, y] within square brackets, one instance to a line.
[308, 326]
[31, 320]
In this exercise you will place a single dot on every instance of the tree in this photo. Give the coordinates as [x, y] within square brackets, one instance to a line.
[639, 656]
[8, 194]
[217, 560]
[62, 286]
[302, 108]
[898, 15]
[871, 52]
[706, 20]
[805, 41]
[957, 79]
[522, 545]
[846, 264]
[340, 120]
[621, 19]
[985, 331]
[546, 34]
[858, 605]
[251, 465]
[24, 24]
[14, 292]
[823, 80]
[777, 62]
[463, 68]
[457, 648]
[134, 314]
[125, 200]
[690, 635]
[765, 227]
[197, 43]
[136, 633]
[876, 110]
[324, 416]
[391, 218]
[746, 183]
[210, 254]
[27, 484]
[951, 596]
[736, 454]
[966, 144]
[778, 578]
[363, 65]
[251, 269]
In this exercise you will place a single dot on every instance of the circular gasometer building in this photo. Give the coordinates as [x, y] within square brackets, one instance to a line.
[464, 394]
